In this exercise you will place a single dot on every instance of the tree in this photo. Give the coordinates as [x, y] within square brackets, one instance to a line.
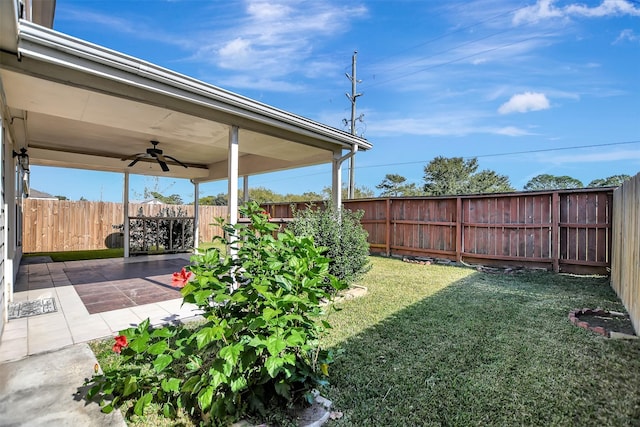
[263, 195]
[488, 181]
[218, 200]
[449, 176]
[612, 181]
[173, 199]
[552, 182]
[61, 197]
[361, 192]
[393, 185]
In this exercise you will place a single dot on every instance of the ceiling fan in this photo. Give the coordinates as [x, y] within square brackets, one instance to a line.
[154, 153]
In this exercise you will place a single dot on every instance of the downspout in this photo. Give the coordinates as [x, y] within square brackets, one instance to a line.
[336, 193]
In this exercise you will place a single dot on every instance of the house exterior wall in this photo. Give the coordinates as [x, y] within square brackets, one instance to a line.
[4, 298]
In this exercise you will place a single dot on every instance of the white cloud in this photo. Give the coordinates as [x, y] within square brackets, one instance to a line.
[277, 37]
[524, 102]
[609, 156]
[545, 9]
[446, 124]
[627, 35]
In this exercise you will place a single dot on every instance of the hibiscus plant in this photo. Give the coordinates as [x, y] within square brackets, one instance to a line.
[257, 346]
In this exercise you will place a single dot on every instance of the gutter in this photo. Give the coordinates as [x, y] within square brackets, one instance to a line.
[43, 44]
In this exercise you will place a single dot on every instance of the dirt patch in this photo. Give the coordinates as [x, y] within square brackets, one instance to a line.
[603, 322]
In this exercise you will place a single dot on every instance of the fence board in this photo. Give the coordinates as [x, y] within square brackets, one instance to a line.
[62, 225]
[568, 230]
[625, 252]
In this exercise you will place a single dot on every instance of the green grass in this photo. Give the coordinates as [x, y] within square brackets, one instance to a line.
[80, 255]
[99, 253]
[439, 345]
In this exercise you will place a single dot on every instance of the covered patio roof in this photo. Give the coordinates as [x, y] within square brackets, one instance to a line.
[78, 105]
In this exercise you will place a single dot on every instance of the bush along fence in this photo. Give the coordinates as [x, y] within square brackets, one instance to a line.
[563, 231]
[61, 225]
[625, 257]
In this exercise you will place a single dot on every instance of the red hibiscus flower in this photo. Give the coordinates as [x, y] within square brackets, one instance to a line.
[180, 279]
[121, 341]
[265, 213]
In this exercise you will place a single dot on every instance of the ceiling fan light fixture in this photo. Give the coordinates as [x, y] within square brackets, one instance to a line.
[154, 153]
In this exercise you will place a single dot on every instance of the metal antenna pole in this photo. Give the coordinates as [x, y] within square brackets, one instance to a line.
[352, 98]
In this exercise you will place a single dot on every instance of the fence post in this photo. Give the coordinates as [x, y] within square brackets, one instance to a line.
[555, 231]
[459, 229]
[388, 227]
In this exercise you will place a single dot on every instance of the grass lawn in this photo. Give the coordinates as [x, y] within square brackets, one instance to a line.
[441, 345]
[80, 255]
[99, 253]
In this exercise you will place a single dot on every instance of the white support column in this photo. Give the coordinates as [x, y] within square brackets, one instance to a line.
[336, 180]
[196, 215]
[233, 175]
[125, 210]
[233, 178]
[245, 189]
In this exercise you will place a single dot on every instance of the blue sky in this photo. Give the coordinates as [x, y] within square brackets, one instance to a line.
[459, 78]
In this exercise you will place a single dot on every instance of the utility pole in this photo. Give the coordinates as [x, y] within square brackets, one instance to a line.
[354, 95]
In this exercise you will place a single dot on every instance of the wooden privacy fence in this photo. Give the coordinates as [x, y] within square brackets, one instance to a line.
[625, 256]
[562, 230]
[61, 225]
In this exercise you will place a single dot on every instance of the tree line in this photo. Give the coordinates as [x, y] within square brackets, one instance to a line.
[443, 176]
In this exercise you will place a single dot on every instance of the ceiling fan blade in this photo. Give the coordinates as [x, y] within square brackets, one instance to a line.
[176, 160]
[163, 165]
[134, 161]
[133, 156]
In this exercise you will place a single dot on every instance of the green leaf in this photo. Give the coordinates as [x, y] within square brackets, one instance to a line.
[157, 348]
[217, 378]
[194, 363]
[138, 409]
[202, 297]
[190, 384]
[283, 389]
[139, 344]
[161, 362]
[231, 352]
[144, 326]
[238, 384]
[275, 345]
[206, 335]
[168, 411]
[295, 338]
[93, 391]
[273, 365]
[130, 386]
[170, 385]
[162, 333]
[205, 397]
[269, 313]
[107, 409]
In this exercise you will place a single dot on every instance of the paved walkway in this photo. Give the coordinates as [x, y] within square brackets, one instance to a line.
[125, 292]
[44, 359]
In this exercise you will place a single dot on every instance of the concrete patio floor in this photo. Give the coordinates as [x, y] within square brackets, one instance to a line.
[94, 299]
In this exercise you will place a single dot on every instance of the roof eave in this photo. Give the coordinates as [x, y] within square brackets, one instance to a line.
[47, 45]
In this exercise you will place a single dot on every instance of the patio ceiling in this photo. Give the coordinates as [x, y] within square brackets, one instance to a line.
[77, 105]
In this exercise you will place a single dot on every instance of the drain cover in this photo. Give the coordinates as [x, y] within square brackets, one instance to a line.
[32, 308]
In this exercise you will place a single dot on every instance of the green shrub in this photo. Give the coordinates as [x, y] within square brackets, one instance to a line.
[258, 346]
[345, 239]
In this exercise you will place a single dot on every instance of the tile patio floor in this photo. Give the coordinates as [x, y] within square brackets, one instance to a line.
[94, 299]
